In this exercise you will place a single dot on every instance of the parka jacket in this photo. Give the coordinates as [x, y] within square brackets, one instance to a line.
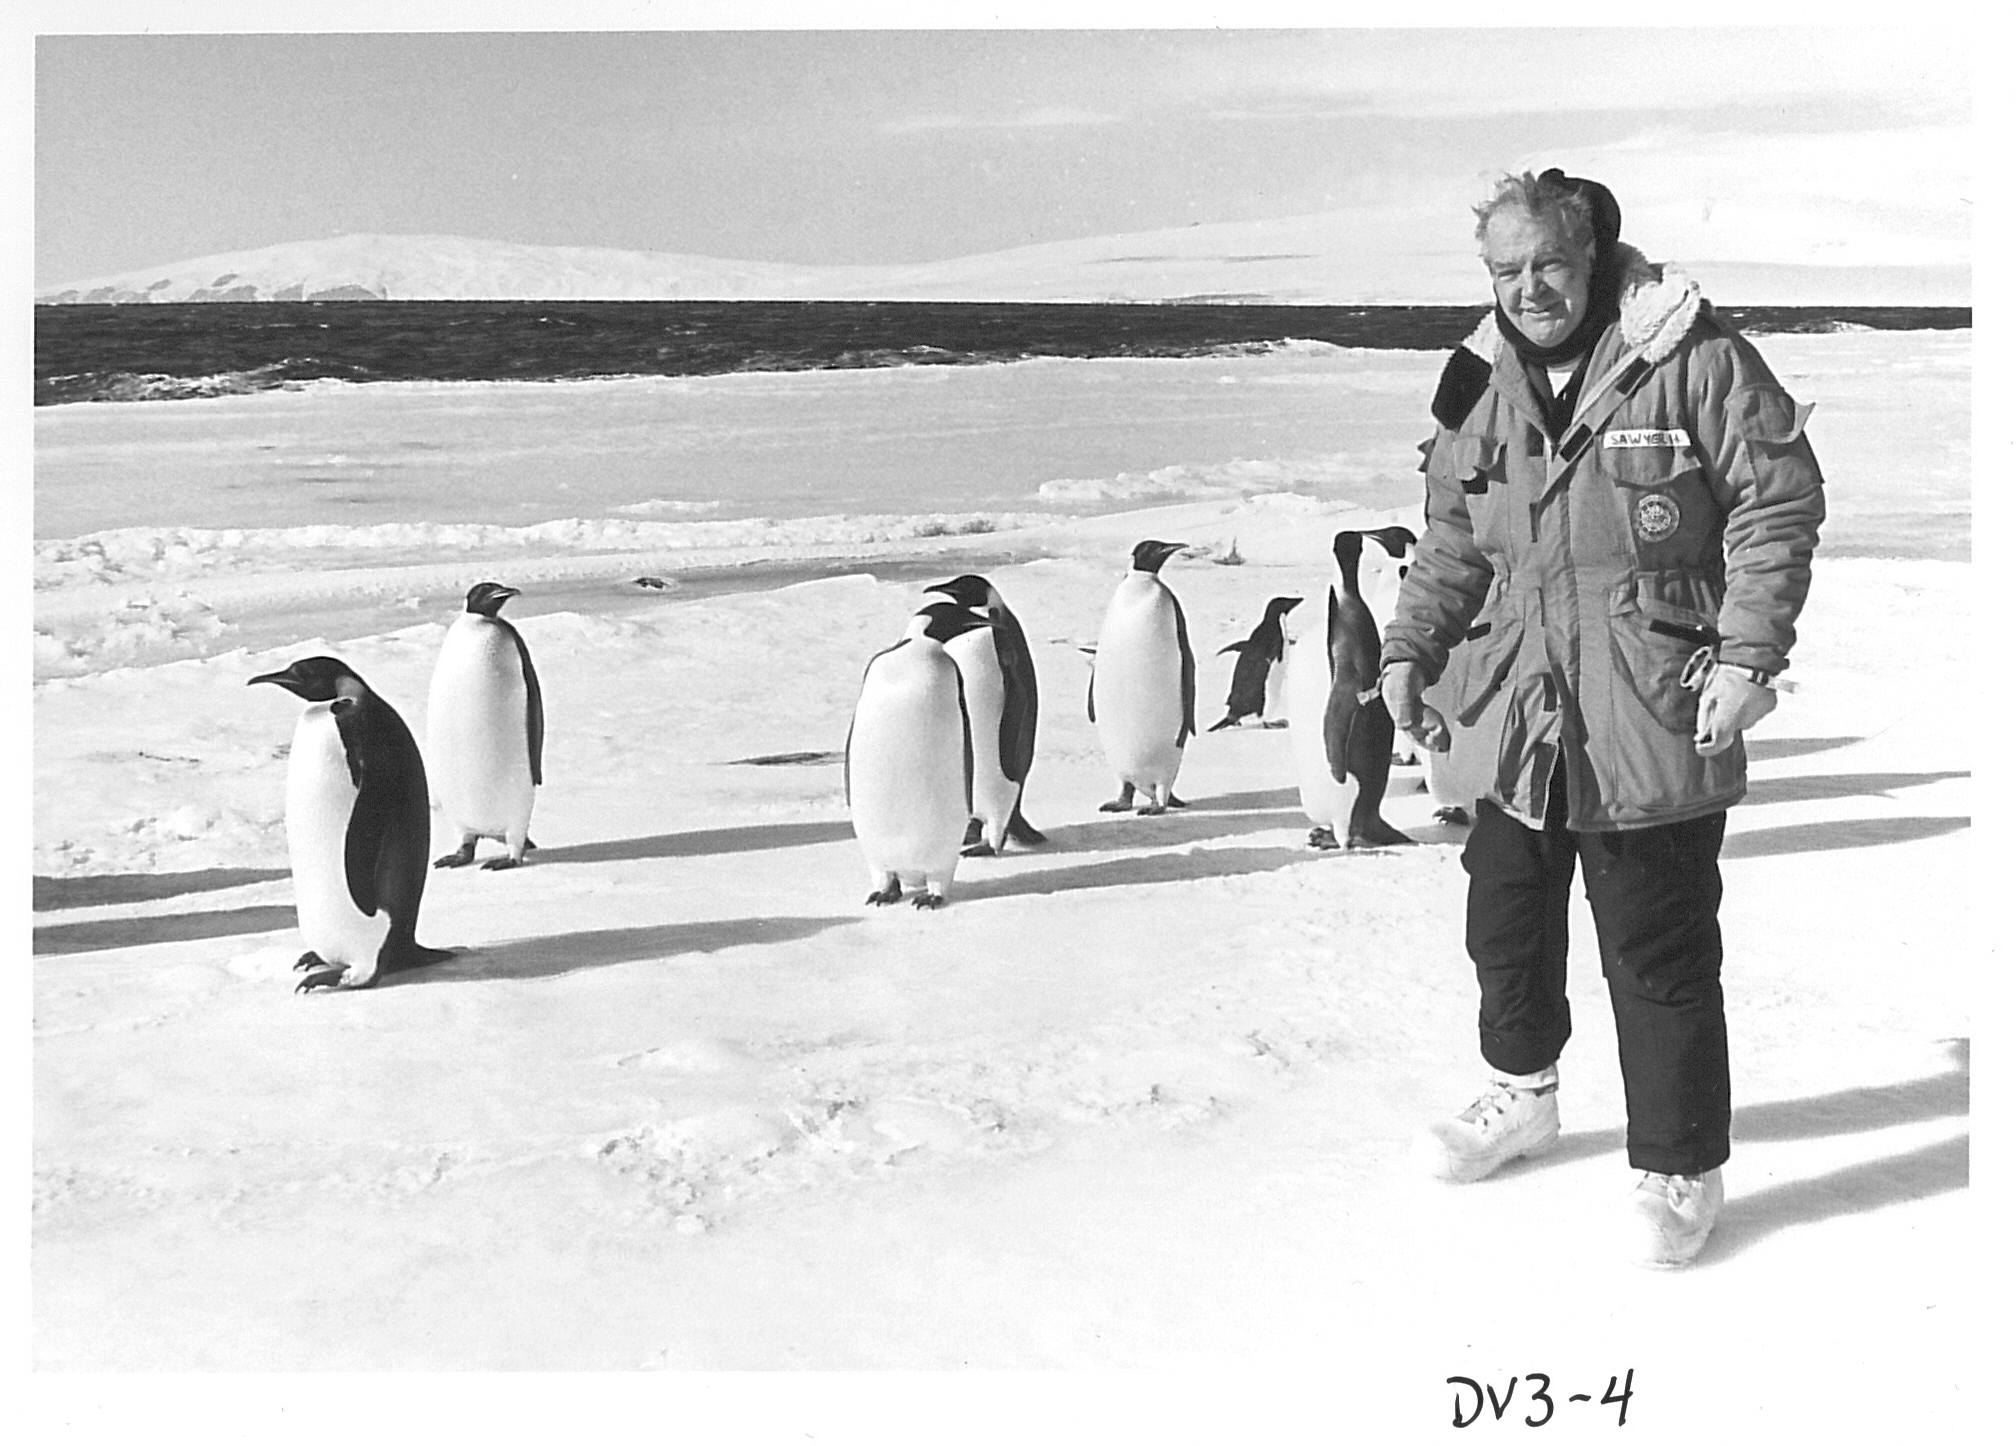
[1678, 509]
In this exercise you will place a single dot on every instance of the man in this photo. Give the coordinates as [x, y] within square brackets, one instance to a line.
[1622, 511]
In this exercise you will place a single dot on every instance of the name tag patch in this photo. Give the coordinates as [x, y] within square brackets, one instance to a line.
[1646, 437]
[1656, 517]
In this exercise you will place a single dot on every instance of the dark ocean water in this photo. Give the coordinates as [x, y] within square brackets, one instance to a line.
[152, 352]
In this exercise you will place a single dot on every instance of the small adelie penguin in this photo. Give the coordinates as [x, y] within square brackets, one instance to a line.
[486, 730]
[357, 829]
[1256, 681]
[1380, 575]
[1143, 695]
[1000, 678]
[1339, 730]
[909, 773]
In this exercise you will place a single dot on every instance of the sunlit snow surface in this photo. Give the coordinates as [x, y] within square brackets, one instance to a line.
[1141, 1097]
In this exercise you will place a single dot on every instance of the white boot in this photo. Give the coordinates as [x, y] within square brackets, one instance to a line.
[1668, 1217]
[1517, 1115]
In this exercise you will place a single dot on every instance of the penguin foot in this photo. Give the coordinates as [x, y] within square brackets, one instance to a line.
[980, 850]
[974, 828]
[1322, 837]
[887, 895]
[329, 976]
[1121, 804]
[529, 846]
[1453, 814]
[928, 901]
[461, 856]
[1174, 802]
[1149, 810]
[311, 960]
[502, 861]
[1277, 723]
[1377, 833]
[1227, 721]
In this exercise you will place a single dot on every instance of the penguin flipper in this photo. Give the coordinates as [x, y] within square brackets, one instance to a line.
[1018, 715]
[965, 735]
[535, 708]
[1091, 708]
[372, 817]
[1188, 729]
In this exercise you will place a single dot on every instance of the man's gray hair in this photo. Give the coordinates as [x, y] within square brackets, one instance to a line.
[1561, 208]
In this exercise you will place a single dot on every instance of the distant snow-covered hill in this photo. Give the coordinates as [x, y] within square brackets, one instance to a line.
[1362, 257]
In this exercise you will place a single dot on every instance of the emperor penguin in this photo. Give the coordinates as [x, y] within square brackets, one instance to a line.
[1256, 677]
[909, 770]
[1143, 695]
[1340, 733]
[1000, 678]
[486, 730]
[357, 829]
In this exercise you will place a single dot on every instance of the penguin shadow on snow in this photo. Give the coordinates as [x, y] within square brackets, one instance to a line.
[91, 890]
[747, 838]
[1221, 816]
[546, 956]
[1761, 750]
[91, 935]
[1155, 868]
[1808, 787]
[1848, 833]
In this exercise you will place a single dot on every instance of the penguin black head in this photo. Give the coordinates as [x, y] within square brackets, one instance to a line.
[1150, 555]
[1396, 540]
[1346, 547]
[1281, 606]
[970, 590]
[487, 597]
[317, 680]
[944, 621]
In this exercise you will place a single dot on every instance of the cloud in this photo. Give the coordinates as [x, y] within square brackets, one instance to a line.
[1042, 118]
[1467, 72]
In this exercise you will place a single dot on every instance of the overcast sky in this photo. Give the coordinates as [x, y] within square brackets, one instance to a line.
[820, 147]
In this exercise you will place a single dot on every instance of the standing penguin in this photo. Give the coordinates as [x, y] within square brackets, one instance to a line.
[1000, 678]
[909, 773]
[356, 829]
[486, 730]
[1382, 572]
[1339, 730]
[1144, 684]
[1256, 678]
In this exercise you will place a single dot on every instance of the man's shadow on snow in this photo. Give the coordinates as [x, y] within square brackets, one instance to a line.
[545, 956]
[1916, 1174]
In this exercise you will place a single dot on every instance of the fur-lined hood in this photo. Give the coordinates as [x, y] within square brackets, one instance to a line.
[1656, 304]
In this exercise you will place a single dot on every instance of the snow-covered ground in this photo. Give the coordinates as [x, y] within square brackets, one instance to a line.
[1138, 1099]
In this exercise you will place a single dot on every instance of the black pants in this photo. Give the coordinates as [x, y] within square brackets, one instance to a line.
[1654, 893]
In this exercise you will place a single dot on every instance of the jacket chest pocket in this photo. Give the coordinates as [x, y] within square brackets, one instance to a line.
[1476, 463]
[1662, 502]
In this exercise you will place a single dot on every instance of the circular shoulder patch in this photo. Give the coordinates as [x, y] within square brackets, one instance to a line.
[1657, 517]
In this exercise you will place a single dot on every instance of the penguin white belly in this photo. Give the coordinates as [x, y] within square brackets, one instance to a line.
[320, 797]
[994, 793]
[1137, 685]
[906, 767]
[1277, 675]
[1306, 695]
[478, 756]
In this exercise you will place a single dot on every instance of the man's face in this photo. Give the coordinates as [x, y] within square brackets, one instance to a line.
[1540, 280]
